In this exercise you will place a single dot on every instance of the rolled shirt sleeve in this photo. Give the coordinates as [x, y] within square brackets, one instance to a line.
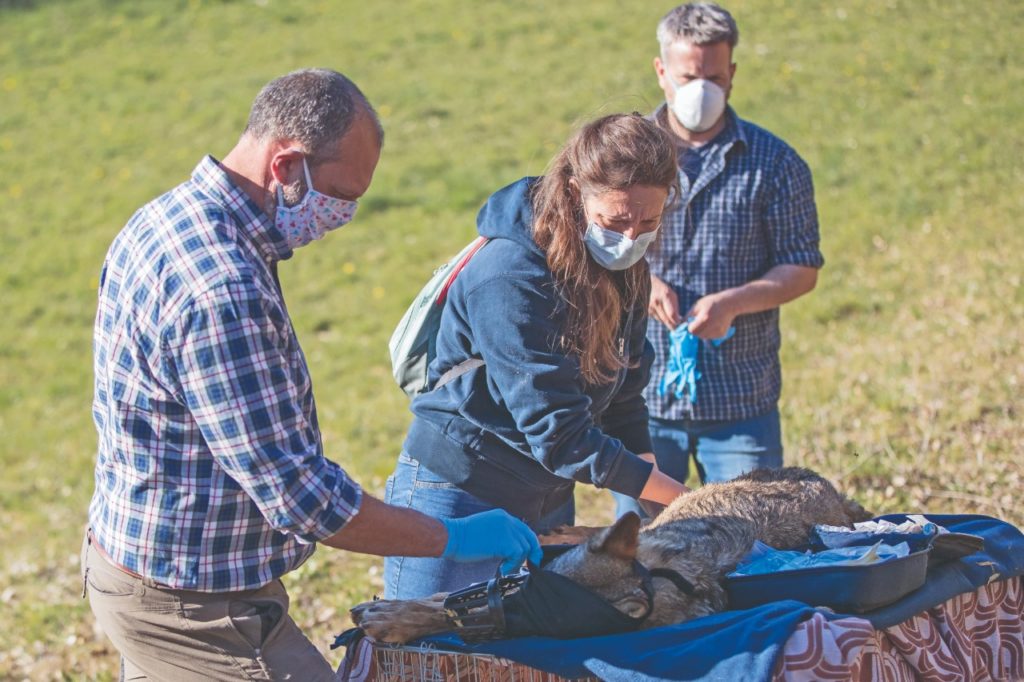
[792, 216]
[245, 382]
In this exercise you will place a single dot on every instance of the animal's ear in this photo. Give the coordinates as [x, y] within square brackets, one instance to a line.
[621, 539]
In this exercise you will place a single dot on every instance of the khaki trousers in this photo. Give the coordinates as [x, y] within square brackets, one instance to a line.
[176, 635]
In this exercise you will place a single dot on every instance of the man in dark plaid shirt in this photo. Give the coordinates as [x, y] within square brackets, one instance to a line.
[742, 241]
[211, 481]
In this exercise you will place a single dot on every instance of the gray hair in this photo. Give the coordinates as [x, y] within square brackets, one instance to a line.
[700, 23]
[315, 107]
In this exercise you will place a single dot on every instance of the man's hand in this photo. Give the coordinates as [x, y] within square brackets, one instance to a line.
[714, 314]
[385, 530]
[711, 316]
[664, 304]
[491, 534]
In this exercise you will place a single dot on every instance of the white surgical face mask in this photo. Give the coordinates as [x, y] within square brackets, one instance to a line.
[614, 250]
[313, 217]
[697, 105]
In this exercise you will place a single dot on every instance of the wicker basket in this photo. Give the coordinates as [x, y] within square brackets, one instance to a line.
[427, 664]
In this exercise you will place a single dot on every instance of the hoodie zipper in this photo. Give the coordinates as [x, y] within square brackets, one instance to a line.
[621, 378]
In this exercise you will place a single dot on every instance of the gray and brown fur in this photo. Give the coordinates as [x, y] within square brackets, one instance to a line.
[702, 535]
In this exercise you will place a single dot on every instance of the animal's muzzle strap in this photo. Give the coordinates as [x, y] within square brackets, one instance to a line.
[681, 583]
[646, 576]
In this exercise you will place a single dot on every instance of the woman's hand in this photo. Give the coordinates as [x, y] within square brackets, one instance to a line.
[660, 487]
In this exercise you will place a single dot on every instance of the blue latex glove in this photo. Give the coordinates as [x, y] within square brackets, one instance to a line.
[491, 534]
[682, 366]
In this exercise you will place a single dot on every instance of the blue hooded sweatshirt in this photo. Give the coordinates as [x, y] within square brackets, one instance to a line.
[518, 431]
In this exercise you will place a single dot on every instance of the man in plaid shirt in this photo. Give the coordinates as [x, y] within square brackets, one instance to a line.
[211, 481]
[742, 240]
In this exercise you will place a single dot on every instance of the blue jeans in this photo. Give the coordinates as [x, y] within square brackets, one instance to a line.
[414, 486]
[722, 450]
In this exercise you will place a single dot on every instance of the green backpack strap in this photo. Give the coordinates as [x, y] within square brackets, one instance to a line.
[458, 370]
[413, 344]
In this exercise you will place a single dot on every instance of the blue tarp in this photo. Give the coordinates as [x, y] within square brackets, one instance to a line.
[743, 645]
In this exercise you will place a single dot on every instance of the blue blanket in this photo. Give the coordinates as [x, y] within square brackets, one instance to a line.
[743, 645]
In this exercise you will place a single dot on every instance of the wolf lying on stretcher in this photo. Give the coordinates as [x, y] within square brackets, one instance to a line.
[688, 549]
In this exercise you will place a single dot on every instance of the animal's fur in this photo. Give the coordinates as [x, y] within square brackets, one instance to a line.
[702, 535]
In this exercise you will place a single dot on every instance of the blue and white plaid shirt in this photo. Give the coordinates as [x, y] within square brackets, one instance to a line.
[210, 473]
[751, 208]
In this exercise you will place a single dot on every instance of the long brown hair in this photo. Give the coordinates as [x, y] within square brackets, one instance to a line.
[615, 152]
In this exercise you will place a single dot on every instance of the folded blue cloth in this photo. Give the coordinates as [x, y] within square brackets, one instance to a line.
[764, 559]
[682, 368]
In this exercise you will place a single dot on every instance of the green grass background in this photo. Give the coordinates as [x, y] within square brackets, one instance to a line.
[903, 370]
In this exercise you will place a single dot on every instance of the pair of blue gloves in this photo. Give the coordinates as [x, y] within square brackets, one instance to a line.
[682, 368]
[492, 534]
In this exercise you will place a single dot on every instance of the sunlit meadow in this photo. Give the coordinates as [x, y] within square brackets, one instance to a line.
[903, 370]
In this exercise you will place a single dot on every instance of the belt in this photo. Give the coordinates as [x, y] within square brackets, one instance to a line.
[109, 559]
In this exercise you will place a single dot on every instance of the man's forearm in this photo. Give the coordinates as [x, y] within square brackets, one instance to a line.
[781, 284]
[385, 530]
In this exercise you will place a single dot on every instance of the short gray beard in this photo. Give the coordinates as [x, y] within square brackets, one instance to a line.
[293, 193]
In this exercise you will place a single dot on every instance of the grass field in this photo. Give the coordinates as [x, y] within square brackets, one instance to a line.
[904, 369]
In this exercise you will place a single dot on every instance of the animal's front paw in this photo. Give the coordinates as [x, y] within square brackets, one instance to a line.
[400, 621]
[357, 611]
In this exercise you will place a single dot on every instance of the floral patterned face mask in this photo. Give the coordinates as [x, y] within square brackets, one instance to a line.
[313, 217]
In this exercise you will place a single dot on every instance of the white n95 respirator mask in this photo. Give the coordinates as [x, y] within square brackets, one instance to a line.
[697, 105]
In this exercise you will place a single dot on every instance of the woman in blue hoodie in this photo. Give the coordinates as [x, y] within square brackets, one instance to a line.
[552, 315]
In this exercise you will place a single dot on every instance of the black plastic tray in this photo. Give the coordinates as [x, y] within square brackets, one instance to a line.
[846, 589]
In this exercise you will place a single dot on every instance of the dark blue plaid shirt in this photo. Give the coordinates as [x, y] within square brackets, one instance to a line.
[750, 209]
[210, 473]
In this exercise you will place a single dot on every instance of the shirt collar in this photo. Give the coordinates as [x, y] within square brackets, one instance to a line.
[252, 222]
[732, 134]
